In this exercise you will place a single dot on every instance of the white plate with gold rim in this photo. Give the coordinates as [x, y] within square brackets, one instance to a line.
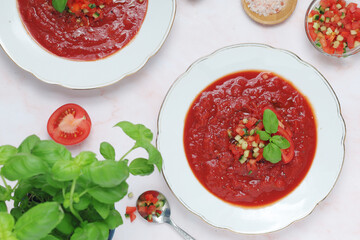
[324, 170]
[27, 54]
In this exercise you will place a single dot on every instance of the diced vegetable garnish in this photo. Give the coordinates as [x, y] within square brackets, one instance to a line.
[83, 11]
[269, 141]
[150, 205]
[334, 26]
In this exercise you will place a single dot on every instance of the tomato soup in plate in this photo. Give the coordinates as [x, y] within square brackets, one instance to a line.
[88, 31]
[220, 119]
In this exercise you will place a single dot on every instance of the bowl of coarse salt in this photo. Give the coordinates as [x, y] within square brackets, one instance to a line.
[269, 12]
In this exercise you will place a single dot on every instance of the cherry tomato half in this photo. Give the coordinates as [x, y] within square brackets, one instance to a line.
[69, 124]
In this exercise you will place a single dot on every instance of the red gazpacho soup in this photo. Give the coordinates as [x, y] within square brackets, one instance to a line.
[250, 138]
[86, 29]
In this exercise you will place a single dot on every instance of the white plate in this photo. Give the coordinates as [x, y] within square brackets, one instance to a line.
[49, 68]
[329, 154]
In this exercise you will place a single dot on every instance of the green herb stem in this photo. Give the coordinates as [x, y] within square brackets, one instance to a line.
[6, 185]
[16, 185]
[134, 147]
[83, 193]
[73, 211]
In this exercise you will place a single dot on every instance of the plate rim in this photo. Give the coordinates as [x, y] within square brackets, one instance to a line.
[339, 114]
[141, 64]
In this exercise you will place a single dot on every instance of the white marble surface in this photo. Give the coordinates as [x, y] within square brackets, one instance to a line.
[201, 27]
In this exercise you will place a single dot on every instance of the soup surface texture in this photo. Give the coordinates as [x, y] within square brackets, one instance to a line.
[216, 114]
[82, 37]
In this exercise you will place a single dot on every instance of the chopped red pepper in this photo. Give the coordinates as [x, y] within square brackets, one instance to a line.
[130, 210]
[149, 197]
[132, 217]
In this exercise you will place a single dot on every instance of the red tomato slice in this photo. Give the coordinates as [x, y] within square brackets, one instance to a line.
[130, 210]
[132, 217]
[286, 154]
[69, 124]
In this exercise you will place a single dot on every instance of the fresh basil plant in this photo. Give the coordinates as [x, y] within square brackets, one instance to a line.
[58, 196]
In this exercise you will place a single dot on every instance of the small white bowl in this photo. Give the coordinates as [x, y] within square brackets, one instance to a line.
[349, 52]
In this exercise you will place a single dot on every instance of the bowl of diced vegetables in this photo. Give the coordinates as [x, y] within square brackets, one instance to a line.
[333, 26]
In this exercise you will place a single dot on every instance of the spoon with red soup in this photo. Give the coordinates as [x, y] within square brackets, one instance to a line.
[153, 207]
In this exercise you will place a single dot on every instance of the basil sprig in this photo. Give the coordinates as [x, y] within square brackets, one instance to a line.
[59, 5]
[60, 196]
[272, 151]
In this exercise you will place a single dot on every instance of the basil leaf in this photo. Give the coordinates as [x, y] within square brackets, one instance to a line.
[83, 203]
[280, 141]
[6, 152]
[16, 212]
[39, 221]
[50, 237]
[3, 207]
[143, 137]
[66, 225]
[270, 121]
[22, 166]
[7, 235]
[91, 231]
[85, 158]
[5, 193]
[7, 223]
[108, 173]
[137, 132]
[114, 219]
[109, 195]
[272, 153]
[107, 151]
[154, 154]
[49, 189]
[59, 5]
[28, 144]
[140, 166]
[65, 170]
[263, 135]
[51, 152]
[102, 209]
[37, 181]
[23, 188]
[55, 184]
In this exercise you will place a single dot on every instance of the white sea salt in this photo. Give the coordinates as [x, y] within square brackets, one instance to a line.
[266, 7]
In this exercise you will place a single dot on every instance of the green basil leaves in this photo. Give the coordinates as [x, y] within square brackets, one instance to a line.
[59, 5]
[272, 151]
[59, 196]
[143, 137]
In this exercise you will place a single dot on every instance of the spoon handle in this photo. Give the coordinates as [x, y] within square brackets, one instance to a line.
[184, 234]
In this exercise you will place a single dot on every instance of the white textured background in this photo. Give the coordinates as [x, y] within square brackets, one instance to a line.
[201, 27]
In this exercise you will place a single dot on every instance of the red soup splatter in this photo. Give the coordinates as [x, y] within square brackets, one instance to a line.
[228, 113]
[86, 31]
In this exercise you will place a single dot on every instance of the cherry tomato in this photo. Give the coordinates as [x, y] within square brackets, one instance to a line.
[69, 124]
[286, 154]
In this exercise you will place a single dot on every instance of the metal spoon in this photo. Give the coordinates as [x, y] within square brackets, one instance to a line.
[164, 216]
